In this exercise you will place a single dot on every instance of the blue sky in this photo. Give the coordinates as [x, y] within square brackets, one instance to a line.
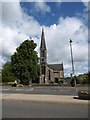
[56, 10]
[61, 21]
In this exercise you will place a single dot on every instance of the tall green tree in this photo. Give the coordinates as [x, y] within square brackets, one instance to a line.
[7, 75]
[25, 62]
[83, 78]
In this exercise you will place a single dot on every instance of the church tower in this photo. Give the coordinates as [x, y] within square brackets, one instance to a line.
[43, 58]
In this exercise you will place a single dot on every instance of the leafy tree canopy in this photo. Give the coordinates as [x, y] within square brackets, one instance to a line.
[7, 75]
[25, 62]
[83, 78]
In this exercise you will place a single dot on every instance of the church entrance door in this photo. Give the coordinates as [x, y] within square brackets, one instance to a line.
[56, 80]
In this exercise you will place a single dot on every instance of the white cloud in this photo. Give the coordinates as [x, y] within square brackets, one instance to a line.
[0, 11]
[42, 7]
[11, 12]
[57, 38]
[16, 28]
[30, 26]
[86, 3]
[11, 39]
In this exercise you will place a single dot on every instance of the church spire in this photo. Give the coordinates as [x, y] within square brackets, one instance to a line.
[43, 58]
[43, 44]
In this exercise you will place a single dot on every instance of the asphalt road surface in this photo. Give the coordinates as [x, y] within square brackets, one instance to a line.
[53, 90]
[27, 109]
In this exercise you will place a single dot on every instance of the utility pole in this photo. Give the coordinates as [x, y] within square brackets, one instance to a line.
[73, 81]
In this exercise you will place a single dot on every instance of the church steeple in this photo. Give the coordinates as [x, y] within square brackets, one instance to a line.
[43, 58]
[43, 50]
[43, 44]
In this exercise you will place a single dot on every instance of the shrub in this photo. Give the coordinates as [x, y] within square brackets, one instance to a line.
[10, 83]
[51, 82]
[30, 85]
[1, 83]
[20, 85]
[61, 81]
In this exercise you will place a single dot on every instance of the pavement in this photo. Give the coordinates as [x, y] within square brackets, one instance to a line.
[44, 98]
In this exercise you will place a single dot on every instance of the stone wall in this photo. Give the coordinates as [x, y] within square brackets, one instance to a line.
[51, 75]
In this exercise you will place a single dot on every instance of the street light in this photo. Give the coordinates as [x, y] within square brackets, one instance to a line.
[72, 57]
[73, 81]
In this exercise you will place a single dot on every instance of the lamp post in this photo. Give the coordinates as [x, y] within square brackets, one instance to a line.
[73, 81]
[72, 57]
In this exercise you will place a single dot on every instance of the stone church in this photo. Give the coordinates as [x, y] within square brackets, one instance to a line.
[48, 72]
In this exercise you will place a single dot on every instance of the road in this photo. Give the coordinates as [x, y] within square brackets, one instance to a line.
[28, 109]
[53, 90]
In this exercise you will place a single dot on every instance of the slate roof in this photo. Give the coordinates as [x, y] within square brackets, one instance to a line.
[56, 66]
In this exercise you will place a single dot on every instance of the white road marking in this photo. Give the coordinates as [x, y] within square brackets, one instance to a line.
[30, 89]
[5, 89]
[20, 89]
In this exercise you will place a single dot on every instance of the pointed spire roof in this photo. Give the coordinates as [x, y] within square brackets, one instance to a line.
[43, 44]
